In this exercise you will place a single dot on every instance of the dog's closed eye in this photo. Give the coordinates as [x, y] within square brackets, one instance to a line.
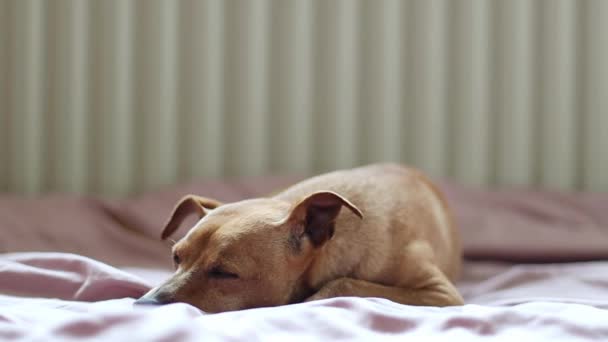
[176, 259]
[219, 273]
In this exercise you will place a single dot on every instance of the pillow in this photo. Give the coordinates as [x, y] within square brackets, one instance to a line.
[523, 225]
[77, 225]
[515, 225]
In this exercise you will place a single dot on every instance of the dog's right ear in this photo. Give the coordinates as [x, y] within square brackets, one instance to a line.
[190, 204]
[314, 217]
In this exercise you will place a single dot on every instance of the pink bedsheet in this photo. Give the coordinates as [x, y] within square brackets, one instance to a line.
[88, 299]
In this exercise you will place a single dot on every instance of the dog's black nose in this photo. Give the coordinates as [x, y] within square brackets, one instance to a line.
[154, 297]
[148, 301]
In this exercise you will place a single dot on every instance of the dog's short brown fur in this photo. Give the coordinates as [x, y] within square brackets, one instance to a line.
[394, 238]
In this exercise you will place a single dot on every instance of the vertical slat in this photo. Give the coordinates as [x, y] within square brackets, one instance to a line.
[99, 94]
[121, 147]
[323, 48]
[370, 122]
[429, 133]
[156, 87]
[336, 82]
[558, 124]
[27, 80]
[515, 106]
[392, 81]
[255, 158]
[77, 109]
[5, 32]
[201, 141]
[595, 70]
[248, 97]
[112, 124]
[141, 79]
[53, 22]
[299, 151]
[408, 75]
[344, 147]
[381, 82]
[168, 115]
[291, 90]
[281, 34]
[472, 106]
[246, 93]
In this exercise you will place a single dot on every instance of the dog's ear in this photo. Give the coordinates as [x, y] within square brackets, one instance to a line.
[314, 217]
[190, 204]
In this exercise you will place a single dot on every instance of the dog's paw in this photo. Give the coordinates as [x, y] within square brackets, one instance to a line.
[336, 288]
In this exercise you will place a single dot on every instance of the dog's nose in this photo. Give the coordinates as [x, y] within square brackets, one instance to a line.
[154, 297]
[148, 301]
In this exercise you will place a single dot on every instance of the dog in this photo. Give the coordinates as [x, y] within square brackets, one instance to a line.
[381, 230]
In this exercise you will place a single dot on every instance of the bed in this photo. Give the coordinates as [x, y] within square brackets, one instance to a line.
[536, 268]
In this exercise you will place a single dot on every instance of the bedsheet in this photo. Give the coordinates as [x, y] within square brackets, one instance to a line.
[62, 297]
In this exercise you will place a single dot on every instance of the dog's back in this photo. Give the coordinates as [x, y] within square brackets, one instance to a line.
[400, 206]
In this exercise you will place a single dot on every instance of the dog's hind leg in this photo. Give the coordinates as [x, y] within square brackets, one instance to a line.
[437, 290]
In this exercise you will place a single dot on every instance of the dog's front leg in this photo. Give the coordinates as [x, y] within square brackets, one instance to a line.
[437, 293]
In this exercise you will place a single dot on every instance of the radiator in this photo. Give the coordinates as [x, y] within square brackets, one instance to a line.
[116, 97]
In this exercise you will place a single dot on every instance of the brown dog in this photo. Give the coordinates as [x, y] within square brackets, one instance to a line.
[395, 239]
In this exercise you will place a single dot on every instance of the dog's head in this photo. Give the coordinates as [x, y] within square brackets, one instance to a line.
[245, 254]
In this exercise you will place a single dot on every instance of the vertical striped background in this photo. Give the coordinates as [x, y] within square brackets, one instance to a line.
[118, 96]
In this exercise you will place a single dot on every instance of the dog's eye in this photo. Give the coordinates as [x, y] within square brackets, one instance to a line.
[176, 259]
[219, 273]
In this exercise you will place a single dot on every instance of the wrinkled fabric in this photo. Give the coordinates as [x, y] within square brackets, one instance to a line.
[63, 297]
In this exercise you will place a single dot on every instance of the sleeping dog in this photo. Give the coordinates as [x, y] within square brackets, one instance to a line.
[376, 231]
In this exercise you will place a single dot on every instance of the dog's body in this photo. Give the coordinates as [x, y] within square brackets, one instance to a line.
[394, 239]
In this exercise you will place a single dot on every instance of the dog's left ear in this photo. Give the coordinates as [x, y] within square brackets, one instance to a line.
[314, 217]
[188, 205]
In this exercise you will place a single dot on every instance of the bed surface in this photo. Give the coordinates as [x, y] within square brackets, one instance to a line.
[535, 270]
